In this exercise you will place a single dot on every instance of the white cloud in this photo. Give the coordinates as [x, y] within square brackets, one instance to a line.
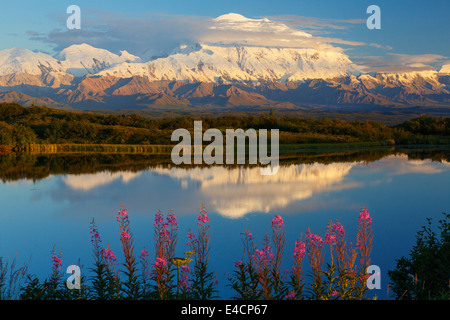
[87, 182]
[157, 35]
[400, 62]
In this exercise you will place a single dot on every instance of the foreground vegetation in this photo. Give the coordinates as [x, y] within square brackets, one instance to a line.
[322, 268]
[425, 272]
[165, 276]
[21, 126]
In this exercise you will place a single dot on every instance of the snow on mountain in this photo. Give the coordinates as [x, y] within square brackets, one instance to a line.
[445, 68]
[83, 58]
[240, 49]
[415, 82]
[207, 63]
[77, 60]
[16, 60]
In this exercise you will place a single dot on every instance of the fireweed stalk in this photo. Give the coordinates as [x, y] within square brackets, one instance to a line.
[165, 235]
[297, 282]
[331, 281]
[184, 285]
[112, 273]
[244, 280]
[100, 278]
[131, 284]
[267, 262]
[346, 284]
[145, 272]
[364, 244]
[204, 282]
[279, 240]
[56, 274]
[314, 248]
[263, 262]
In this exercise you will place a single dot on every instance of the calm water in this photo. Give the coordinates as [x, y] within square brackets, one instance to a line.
[47, 201]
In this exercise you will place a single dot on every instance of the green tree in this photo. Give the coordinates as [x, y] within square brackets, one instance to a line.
[425, 274]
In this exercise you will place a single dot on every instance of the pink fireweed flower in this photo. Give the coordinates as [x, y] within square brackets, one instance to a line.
[277, 222]
[158, 218]
[109, 255]
[144, 254]
[124, 235]
[299, 250]
[248, 234]
[202, 218]
[237, 264]
[337, 228]
[364, 216]
[314, 239]
[191, 238]
[171, 219]
[291, 295]
[56, 262]
[264, 256]
[122, 214]
[184, 279]
[160, 263]
[330, 238]
[95, 236]
[56, 276]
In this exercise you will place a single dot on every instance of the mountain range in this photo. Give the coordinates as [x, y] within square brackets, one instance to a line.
[213, 75]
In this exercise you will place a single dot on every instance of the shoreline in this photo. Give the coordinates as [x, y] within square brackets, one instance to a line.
[167, 149]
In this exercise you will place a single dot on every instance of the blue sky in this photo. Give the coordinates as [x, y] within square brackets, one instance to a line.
[412, 32]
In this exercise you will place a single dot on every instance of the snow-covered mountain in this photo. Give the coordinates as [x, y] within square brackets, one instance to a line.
[82, 59]
[77, 60]
[217, 72]
[219, 64]
[15, 60]
[195, 63]
[445, 69]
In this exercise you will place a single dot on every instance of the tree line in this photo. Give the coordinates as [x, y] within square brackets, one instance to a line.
[21, 125]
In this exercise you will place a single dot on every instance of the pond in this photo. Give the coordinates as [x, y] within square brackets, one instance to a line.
[49, 200]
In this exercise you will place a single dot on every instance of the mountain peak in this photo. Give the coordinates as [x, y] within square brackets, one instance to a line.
[231, 17]
[76, 48]
[237, 22]
[445, 68]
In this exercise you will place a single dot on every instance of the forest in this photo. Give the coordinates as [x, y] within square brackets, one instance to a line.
[20, 126]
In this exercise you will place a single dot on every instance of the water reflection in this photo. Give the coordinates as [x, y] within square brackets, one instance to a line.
[148, 182]
[86, 182]
[237, 191]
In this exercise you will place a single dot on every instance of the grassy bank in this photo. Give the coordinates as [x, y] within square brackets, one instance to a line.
[167, 149]
[94, 148]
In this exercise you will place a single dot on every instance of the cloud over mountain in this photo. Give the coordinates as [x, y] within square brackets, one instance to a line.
[157, 35]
